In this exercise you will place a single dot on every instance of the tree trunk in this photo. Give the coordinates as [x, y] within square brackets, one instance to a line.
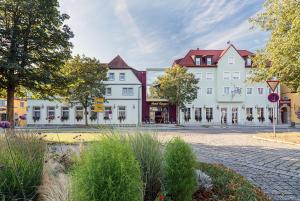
[86, 115]
[178, 115]
[10, 104]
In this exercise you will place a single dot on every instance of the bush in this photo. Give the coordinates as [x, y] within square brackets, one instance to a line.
[179, 169]
[21, 165]
[147, 150]
[107, 171]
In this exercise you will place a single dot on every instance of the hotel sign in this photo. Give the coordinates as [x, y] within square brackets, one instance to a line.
[159, 104]
[285, 102]
[99, 105]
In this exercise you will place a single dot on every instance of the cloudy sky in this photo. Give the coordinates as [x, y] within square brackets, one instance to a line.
[152, 33]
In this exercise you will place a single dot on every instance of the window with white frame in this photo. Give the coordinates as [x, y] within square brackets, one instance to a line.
[122, 76]
[249, 91]
[249, 113]
[198, 114]
[2, 103]
[209, 76]
[260, 114]
[127, 91]
[187, 114]
[209, 114]
[65, 113]
[36, 113]
[226, 76]
[209, 91]
[79, 113]
[208, 61]
[231, 60]
[111, 76]
[121, 113]
[198, 76]
[260, 91]
[248, 62]
[236, 75]
[108, 91]
[198, 61]
[226, 90]
[50, 112]
[107, 113]
[200, 91]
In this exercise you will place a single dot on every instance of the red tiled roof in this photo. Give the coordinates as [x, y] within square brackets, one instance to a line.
[118, 63]
[215, 54]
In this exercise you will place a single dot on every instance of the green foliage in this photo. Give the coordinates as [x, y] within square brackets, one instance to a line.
[86, 77]
[178, 86]
[281, 18]
[21, 165]
[179, 169]
[148, 152]
[107, 171]
[229, 185]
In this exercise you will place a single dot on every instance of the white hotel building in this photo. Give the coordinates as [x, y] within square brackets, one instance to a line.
[224, 95]
[123, 102]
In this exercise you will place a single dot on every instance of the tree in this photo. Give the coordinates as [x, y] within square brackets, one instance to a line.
[34, 43]
[86, 77]
[178, 86]
[282, 53]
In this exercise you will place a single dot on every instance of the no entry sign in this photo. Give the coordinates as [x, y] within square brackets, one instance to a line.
[273, 97]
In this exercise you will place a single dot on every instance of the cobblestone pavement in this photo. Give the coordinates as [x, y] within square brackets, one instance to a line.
[275, 167]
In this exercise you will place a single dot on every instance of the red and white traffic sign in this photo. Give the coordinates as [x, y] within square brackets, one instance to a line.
[273, 84]
[273, 97]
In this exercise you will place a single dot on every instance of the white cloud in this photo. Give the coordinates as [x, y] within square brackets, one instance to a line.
[213, 12]
[143, 43]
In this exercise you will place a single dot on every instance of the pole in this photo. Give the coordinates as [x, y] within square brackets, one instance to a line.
[274, 129]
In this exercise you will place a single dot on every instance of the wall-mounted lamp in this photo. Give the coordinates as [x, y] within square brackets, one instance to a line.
[193, 106]
[204, 106]
[114, 106]
[243, 107]
[133, 106]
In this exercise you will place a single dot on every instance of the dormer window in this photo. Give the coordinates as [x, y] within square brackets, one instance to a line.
[248, 62]
[198, 61]
[208, 61]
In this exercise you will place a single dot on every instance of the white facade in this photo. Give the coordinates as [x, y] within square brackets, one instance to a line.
[225, 96]
[122, 106]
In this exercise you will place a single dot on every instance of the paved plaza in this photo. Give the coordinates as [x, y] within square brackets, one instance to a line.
[275, 167]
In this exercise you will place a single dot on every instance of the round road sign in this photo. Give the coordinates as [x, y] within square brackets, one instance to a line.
[273, 97]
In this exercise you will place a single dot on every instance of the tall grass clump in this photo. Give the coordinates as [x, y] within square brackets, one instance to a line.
[107, 171]
[147, 150]
[21, 165]
[179, 170]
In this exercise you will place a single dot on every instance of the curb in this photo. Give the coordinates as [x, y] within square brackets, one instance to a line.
[278, 141]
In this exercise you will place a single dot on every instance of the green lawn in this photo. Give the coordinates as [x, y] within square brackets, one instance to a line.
[230, 186]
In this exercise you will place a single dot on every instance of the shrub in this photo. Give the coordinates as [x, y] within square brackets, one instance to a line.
[107, 171]
[179, 170]
[147, 150]
[21, 161]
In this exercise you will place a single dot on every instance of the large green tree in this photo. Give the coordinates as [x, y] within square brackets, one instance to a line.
[177, 86]
[34, 44]
[86, 76]
[282, 52]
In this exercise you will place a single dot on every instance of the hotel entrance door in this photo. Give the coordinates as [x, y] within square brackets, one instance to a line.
[159, 114]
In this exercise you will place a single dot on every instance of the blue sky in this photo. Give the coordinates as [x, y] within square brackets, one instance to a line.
[154, 33]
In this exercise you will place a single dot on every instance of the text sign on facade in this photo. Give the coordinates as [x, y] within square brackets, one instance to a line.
[273, 84]
[99, 105]
[285, 102]
[273, 97]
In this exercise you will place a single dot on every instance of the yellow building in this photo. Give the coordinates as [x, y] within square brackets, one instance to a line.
[20, 109]
[289, 106]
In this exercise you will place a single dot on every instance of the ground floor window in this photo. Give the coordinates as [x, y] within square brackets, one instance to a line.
[223, 115]
[107, 113]
[79, 113]
[249, 114]
[209, 114]
[187, 114]
[36, 113]
[198, 114]
[234, 115]
[260, 114]
[65, 114]
[270, 110]
[93, 115]
[121, 113]
[50, 113]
